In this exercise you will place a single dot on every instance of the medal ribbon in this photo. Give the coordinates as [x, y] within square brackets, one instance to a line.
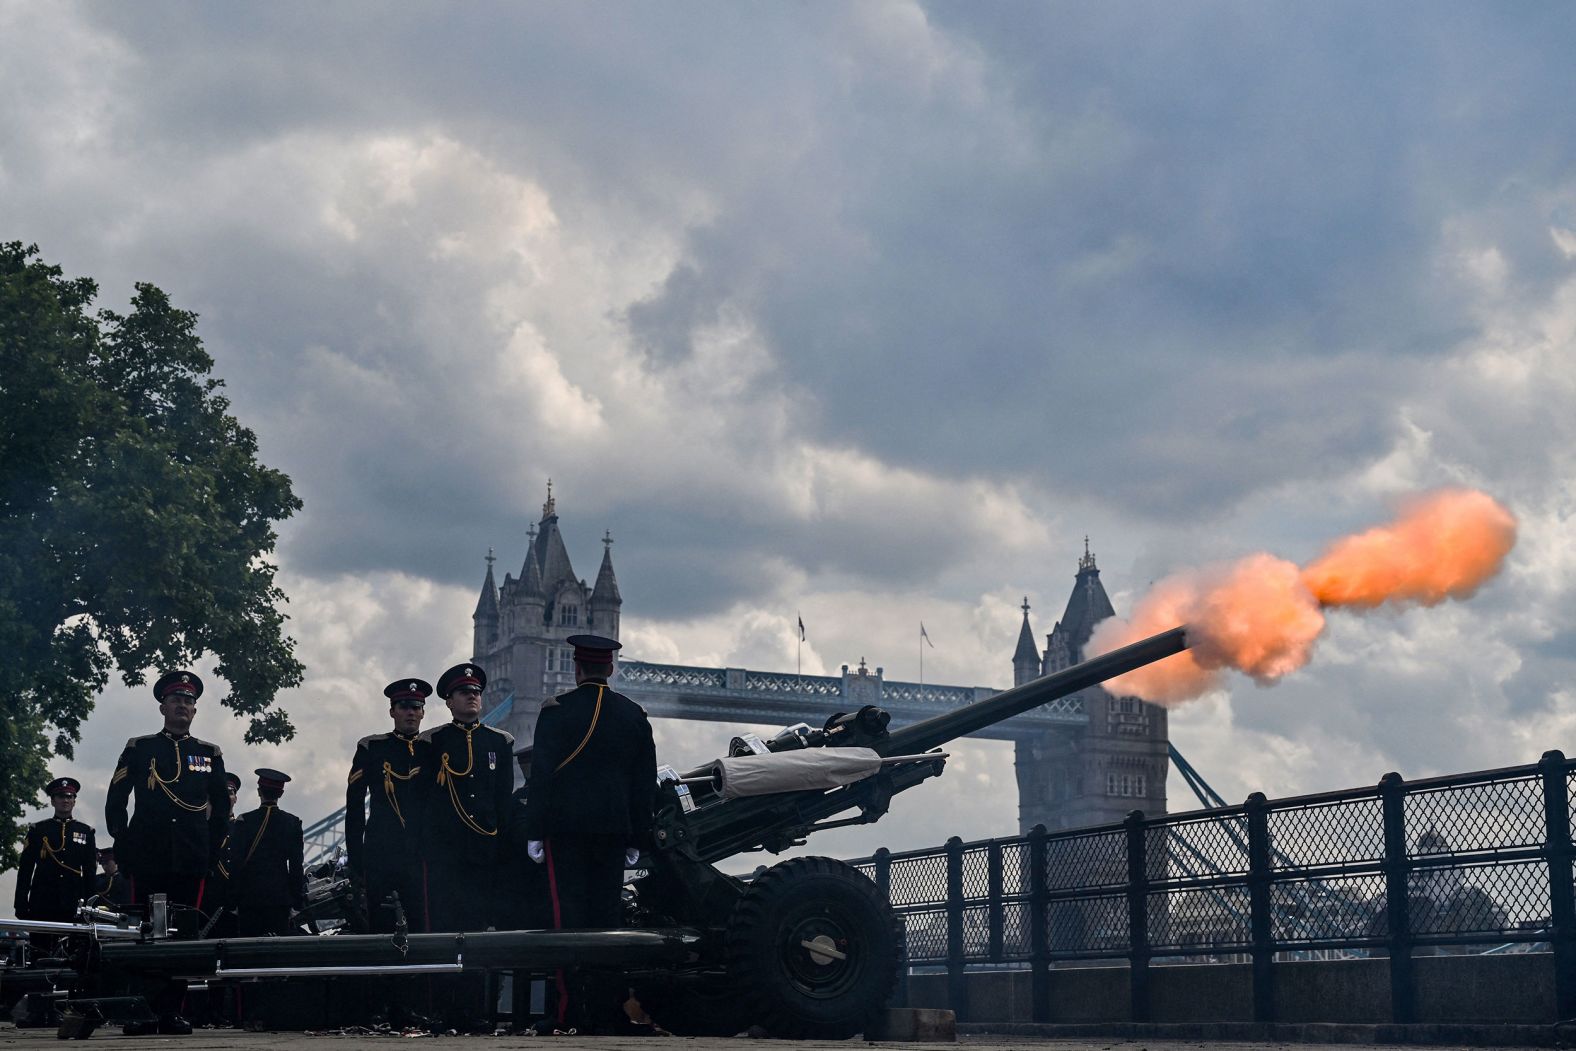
[155, 780]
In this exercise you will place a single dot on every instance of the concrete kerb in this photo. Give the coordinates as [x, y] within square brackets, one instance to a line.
[1562, 1034]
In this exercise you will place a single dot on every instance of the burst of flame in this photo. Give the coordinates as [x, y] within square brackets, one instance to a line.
[1262, 615]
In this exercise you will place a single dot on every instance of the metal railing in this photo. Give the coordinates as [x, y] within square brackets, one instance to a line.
[1476, 862]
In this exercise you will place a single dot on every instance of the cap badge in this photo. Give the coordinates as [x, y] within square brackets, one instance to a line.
[469, 672]
[413, 687]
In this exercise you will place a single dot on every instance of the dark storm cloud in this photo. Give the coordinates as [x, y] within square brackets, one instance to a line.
[1162, 200]
[1164, 259]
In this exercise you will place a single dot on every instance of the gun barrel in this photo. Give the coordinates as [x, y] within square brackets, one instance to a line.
[948, 726]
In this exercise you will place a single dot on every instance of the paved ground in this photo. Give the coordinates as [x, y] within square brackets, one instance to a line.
[228, 1039]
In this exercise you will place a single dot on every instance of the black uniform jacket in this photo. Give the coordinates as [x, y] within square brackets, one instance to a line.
[264, 862]
[57, 869]
[398, 773]
[113, 888]
[181, 805]
[593, 767]
[469, 785]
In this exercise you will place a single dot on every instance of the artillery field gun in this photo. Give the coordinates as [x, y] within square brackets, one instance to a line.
[808, 948]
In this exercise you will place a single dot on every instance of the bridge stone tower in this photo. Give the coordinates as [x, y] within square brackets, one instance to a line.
[519, 628]
[1116, 762]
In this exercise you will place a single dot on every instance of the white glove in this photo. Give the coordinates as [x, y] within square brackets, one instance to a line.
[536, 850]
[631, 857]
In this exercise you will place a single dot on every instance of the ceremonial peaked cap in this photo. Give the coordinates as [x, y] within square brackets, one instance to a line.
[267, 778]
[105, 853]
[232, 779]
[461, 675]
[408, 690]
[178, 682]
[63, 784]
[595, 649]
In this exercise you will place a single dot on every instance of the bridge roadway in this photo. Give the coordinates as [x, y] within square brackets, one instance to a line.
[740, 695]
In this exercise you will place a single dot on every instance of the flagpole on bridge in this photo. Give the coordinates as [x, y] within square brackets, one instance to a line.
[798, 659]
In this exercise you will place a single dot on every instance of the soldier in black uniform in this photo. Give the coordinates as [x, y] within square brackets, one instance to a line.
[593, 788]
[222, 913]
[469, 786]
[112, 889]
[57, 868]
[171, 841]
[265, 863]
[385, 849]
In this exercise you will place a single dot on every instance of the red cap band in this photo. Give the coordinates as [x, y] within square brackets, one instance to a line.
[465, 680]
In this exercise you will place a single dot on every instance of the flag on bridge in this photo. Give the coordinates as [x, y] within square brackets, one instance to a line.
[801, 629]
[925, 635]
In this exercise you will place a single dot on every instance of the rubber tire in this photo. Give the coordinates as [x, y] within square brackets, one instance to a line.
[691, 1007]
[792, 995]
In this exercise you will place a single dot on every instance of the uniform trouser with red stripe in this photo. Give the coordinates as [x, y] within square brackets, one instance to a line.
[179, 889]
[585, 879]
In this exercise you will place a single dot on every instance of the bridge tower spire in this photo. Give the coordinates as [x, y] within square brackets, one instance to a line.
[605, 599]
[484, 621]
[1096, 773]
[1026, 658]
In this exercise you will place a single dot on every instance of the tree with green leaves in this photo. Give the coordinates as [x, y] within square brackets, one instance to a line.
[135, 521]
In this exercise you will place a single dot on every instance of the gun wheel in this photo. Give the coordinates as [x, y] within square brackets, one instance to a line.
[813, 947]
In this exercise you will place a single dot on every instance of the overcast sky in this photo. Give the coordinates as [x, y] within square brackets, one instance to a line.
[867, 312]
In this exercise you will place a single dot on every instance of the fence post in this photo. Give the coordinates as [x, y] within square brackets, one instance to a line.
[1137, 918]
[1039, 927]
[882, 860]
[1562, 900]
[995, 910]
[957, 991]
[1262, 932]
[1392, 796]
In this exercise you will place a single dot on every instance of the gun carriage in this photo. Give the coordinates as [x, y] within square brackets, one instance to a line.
[808, 948]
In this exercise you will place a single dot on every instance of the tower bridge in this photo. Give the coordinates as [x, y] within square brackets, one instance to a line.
[1086, 759]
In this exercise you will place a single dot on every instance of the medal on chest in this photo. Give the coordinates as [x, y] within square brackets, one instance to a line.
[199, 764]
[492, 760]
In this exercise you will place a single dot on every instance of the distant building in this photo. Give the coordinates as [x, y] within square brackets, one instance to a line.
[520, 627]
[1093, 774]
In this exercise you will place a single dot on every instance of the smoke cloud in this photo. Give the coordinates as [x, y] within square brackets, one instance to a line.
[1261, 615]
